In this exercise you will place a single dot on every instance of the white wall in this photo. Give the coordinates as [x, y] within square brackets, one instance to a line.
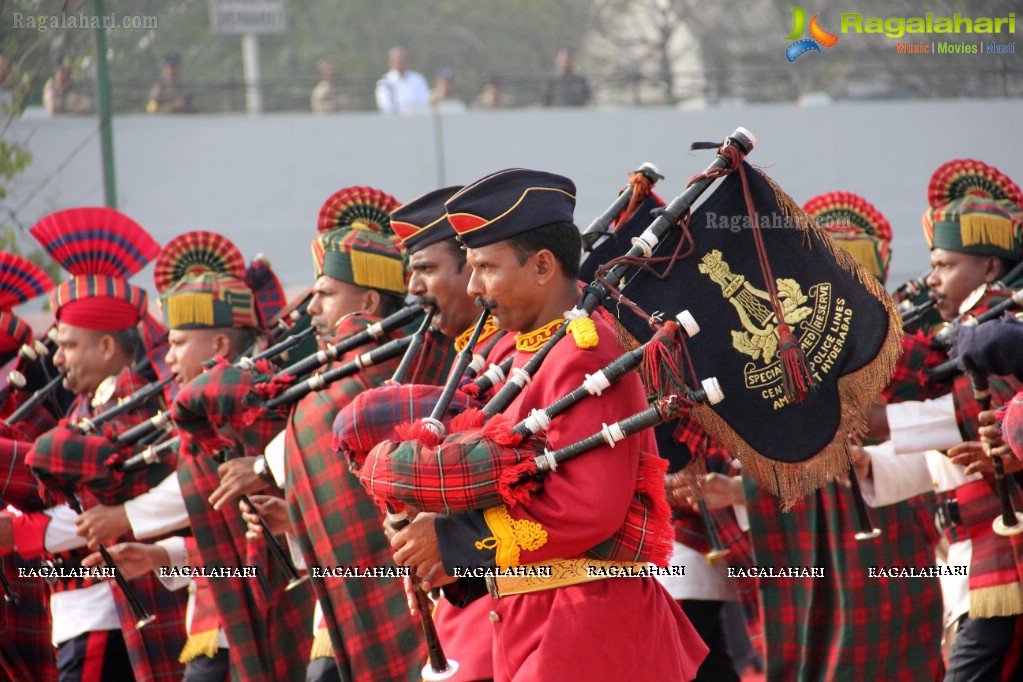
[261, 180]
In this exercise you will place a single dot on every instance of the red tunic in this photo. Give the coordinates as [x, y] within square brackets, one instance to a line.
[609, 629]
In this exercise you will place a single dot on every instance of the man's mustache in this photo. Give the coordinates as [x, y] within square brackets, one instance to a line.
[487, 303]
[426, 302]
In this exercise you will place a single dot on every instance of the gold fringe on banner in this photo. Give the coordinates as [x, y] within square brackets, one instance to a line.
[856, 390]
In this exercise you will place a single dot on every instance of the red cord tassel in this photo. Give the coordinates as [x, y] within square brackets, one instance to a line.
[796, 378]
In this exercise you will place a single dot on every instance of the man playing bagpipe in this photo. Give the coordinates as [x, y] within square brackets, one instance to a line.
[362, 629]
[812, 624]
[25, 650]
[98, 312]
[598, 514]
[439, 279]
[211, 313]
[975, 233]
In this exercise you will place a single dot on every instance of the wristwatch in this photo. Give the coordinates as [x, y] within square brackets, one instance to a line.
[261, 469]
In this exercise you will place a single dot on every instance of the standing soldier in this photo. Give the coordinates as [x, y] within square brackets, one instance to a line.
[98, 312]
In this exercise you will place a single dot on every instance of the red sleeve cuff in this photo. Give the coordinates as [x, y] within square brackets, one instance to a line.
[30, 534]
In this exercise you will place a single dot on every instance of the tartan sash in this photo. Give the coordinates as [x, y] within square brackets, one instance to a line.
[266, 626]
[909, 381]
[63, 459]
[336, 523]
[153, 650]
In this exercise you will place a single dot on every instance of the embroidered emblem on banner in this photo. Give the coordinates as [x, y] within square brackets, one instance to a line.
[819, 320]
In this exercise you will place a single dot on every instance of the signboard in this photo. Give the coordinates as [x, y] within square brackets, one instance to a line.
[247, 16]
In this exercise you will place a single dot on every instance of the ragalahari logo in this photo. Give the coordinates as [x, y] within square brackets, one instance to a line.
[818, 36]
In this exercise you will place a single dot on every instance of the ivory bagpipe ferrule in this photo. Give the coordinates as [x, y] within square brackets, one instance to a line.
[596, 383]
[598, 228]
[373, 332]
[138, 398]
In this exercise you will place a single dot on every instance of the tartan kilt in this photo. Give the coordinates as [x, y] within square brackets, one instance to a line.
[266, 626]
[337, 524]
[26, 652]
[846, 625]
[154, 649]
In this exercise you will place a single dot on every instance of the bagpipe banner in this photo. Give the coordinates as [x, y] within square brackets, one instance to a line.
[847, 328]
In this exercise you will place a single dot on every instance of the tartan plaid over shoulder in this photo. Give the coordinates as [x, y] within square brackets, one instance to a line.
[617, 508]
[63, 459]
[268, 628]
[337, 524]
[846, 624]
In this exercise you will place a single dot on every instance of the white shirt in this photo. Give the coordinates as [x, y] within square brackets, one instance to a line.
[405, 93]
[703, 579]
[916, 426]
[76, 612]
[158, 511]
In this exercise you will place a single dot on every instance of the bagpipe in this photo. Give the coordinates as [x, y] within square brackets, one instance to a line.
[945, 338]
[641, 183]
[155, 452]
[162, 421]
[913, 300]
[806, 361]
[382, 353]
[374, 332]
[1010, 521]
[31, 371]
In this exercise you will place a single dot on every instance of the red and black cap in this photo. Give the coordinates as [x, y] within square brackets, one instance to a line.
[423, 221]
[510, 202]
